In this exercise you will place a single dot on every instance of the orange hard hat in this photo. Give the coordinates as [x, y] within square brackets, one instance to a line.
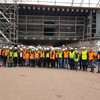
[90, 48]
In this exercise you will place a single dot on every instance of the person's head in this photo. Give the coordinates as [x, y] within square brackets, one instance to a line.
[15, 48]
[91, 49]
[10, 48]
[76, 52]
[21, 49]
[71, 49]
[65, 49]
[84, 48]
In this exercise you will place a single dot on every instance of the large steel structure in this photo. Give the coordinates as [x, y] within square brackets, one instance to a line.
[59, 22]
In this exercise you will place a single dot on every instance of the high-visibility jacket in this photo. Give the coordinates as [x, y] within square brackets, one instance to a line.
[3, 53]
[16, 54]
[31, 56]
[76, 59]
[0, 51]
[24, 55]
[91, 55]
[42, 54]
[66, 54]
[52, 55]
[71, 54]
[56, 54]
[98, 56]
[10, 54]
[6, 52]
[84, 55]
[60, 54]
[27, 55]
[47, 55]
[36, 55]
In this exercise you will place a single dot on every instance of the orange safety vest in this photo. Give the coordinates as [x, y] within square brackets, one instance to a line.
[3, 53]
[98, 56]
[52, 55]
[42, 55]
[31, 56]
[56, 54]
[36, 55]
[0, 52]
[66, 54]
[6, 52]
[91, 55]
[27, 55]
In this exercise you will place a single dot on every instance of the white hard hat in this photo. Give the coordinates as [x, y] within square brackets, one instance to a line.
[15, 48]
[7, 47]
[36, 49]
[10, 48]
[47, 48]
[75, 48]
[21, 45]
[4, 47]
[24, 47]
[71, 48]
[18, 46]
[84, 47]
[65, 48]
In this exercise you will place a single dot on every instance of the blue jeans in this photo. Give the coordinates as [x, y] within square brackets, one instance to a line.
[98, 66]
[23, 62]
[27, 62]
[92, 65]
[60, 62]
[85, 65]
[31, 63]
[3, 61]
[76, 65]
[65, 62]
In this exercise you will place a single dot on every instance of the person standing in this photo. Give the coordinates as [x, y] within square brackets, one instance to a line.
[71, 55]
[84, 55]
[42, 58]
[56, 58]
[15, 58]
[60, 58]
[65, 56]
[48, 57]
[20, 53]
[27, 54]
[10, 57]
[98, 60]
[36, 57]
[76, 59]
[92, 56]
[32, 61]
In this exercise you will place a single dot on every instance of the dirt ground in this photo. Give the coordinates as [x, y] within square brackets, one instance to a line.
[48, 84]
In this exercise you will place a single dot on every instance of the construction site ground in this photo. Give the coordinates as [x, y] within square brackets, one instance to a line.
[26, 83]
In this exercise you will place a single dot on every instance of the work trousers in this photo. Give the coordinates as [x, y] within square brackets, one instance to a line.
[32, 62]
[52, 63]
[15, 61]
[92, 65]
[20, 61]
[65, 63]
[85, 65]
[72, 64]
[27, 62]
[56, 62]
[60, 62]
[76, 65]
[42, 61]
[5, 60]
[36, 62]
[98, 66]
[48, 62]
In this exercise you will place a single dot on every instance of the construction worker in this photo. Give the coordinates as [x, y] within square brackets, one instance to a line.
[5, 55]
[84, 55]
[24, 55]
[20, 54]
[27, 54]
[80, 60]
[98, 60]
[36, 57]
[56, 58]
[71, 55]
[52, 58]
[91, 59]
[48, 57]
[15, 58]
[42, 58]
[76, 59]
[60, 58]
[0, 53]
[32, 59]
[18, 49]
[65, 56]
[10, 57]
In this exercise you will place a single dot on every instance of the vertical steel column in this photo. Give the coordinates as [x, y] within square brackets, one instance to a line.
[43, 26]
[59, 27]
[75, 25]
[26, 26]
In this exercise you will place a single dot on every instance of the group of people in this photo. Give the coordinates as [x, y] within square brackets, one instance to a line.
[50, 57]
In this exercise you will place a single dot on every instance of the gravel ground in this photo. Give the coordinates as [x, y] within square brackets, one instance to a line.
[48, 84]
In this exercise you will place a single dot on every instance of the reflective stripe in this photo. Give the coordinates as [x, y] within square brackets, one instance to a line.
[42, 55]
[66, 54]
[36, 55]
[71, 54]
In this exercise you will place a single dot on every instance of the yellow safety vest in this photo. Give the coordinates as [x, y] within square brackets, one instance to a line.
[84, 55]
[60, 54]
[71, 54]
[76, 59]
[15, 54]
[47, 55]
